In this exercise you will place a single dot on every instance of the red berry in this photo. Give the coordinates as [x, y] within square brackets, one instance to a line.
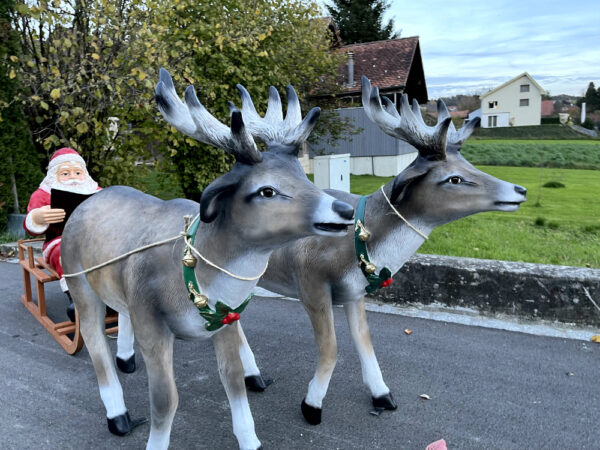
[387, 282]
[231, 317]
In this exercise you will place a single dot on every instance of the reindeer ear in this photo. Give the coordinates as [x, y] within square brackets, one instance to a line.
[213, 197]
[409, 175]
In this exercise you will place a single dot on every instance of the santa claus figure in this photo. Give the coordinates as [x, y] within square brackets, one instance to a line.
[66, 172]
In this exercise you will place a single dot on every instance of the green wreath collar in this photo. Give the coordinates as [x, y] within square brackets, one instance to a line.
[361, 236]
[223, 314]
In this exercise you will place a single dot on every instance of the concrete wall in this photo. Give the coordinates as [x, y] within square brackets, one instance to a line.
[390, 166]
[529, 291]
[508, 98]
[381, 166]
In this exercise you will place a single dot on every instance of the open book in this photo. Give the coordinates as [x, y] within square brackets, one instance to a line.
[64, 200]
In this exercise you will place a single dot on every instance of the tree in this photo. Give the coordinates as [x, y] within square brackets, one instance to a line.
[88, 61]
[257, 43]
[20, 168]
[592, 98]
[361, 20]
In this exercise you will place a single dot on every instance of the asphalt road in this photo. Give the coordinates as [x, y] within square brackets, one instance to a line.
[489, 389]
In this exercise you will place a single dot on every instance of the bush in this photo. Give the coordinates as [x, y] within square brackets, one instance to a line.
[550, 121]
[554, 184]
[588, 123]
[553, 225]
[539, 222]
[593, 229]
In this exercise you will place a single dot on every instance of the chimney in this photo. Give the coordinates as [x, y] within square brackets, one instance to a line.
[351, 82]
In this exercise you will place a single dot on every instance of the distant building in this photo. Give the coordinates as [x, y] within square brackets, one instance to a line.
[395, 67]
[547, 108]
[518, 102]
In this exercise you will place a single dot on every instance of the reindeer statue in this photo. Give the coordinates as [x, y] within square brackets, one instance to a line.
[263, 202]
[440, 186]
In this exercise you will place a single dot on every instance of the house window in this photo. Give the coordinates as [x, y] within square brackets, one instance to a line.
[524, 88]
[492, 105]
[492, 121]
[524, 102]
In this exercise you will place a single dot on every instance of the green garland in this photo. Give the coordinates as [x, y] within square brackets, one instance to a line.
[376, 281]
[223, 314]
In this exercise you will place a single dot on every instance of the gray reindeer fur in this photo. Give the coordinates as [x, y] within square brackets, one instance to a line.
[440, 186]
[263, 202]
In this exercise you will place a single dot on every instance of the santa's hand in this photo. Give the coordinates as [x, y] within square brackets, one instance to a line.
[46, 215]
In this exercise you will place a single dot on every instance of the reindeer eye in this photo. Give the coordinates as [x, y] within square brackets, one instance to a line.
[267, 192]
[455, 180]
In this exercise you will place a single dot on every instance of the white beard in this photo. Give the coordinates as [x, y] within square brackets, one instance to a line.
[87, 186]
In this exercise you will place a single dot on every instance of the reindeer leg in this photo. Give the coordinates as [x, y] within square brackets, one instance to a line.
[91, 312]
[321, 316]
[125, 339]
[254, 381]
[371, 373]
[155, 340]
[227, 347]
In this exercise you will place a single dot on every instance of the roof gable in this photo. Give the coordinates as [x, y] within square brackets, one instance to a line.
[386, 63]
[524, 74]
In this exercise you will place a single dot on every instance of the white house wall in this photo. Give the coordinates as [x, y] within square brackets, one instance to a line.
[508, 105]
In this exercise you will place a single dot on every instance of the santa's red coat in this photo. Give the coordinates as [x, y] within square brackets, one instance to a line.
[50, 249]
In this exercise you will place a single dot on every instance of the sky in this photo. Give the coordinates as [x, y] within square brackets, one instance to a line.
[472, 46]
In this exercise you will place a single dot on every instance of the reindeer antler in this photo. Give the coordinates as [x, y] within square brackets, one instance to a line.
[193, 119]
[273, 128]
[408, 124]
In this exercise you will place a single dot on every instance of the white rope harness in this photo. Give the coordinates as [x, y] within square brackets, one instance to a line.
[183, 235]
[423, 235]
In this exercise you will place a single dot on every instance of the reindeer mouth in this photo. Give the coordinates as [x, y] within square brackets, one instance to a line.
[331, 227]
[507, 206]
[508, 203]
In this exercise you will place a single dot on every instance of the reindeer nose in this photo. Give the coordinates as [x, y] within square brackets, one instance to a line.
[520, 190]
[343, 209]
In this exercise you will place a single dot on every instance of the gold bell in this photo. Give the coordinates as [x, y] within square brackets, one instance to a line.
[200, 301]
[370, 268]
[188, 259]
[364, 235]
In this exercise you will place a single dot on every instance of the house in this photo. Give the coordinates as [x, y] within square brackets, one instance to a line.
[518, 102]
[547, 108]
[395, 67]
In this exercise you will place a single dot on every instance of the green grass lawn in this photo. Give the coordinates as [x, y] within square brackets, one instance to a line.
[568, 220]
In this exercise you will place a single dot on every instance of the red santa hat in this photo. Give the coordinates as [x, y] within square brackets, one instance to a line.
[65, 155]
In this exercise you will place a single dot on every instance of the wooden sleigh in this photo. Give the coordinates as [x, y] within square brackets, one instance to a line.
[42, 273]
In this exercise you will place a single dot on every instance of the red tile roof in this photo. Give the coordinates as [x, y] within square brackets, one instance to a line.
[386, 63]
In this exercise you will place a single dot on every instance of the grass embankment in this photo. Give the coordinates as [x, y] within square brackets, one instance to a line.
[573, 154]
[531, 132]
[564, 229]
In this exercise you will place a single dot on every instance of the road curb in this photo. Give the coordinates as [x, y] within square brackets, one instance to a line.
[524, 290]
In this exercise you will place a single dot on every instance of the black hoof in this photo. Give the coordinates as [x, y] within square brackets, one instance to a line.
[311, 414]
[71, 312]
[124, 424]
[385, 401]
[256, 383]
[126, 365]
